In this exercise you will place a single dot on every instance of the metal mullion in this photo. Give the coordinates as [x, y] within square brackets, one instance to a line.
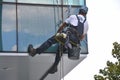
[38, 4]
[16, 27]
[1, 27]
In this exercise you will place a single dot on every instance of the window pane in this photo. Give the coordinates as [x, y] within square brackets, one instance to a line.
[8, 0]
[65, 2]
[39, 1]
[36, 25]
[0, 27]
[72, 2]
[8, 27]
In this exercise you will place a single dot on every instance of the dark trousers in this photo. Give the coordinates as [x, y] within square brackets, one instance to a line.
[48, 44]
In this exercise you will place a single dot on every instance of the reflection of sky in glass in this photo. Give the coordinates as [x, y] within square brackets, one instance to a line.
[8, 18]
[37, 1]
[8, 28]
[66, 2]
[33, 26]
[9, 0]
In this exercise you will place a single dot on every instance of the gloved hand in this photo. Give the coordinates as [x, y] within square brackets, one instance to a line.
[61, 35]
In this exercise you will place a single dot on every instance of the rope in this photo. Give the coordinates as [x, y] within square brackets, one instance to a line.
[61, 46]
[56, 16]
[69, 8]
[61, 62]
[57, 24]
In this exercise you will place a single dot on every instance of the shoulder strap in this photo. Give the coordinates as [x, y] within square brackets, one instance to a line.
[80, 27]
[79, 19]
[84, 20]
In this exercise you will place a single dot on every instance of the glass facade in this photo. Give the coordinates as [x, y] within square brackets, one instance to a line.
[33, 22]
[0, 27]
[65, 2]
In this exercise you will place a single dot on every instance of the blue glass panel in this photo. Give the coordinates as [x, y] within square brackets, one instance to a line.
[65, 2]
[40, 1]
[82, 2]
[8, 28]
[9, 0]
[0, 27]
[35, 24]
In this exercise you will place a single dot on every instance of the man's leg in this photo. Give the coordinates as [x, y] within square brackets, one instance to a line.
[42, 48]
[58, 56]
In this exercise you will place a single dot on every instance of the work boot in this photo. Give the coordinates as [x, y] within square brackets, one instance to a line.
[31, 50]
[53, 69]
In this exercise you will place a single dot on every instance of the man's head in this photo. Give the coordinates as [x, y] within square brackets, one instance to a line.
[83, 10]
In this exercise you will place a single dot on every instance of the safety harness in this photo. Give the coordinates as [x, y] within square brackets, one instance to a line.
[70, 38]
[79, 29]
[73, 34]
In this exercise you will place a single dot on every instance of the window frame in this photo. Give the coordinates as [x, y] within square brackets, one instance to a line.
[33, 4]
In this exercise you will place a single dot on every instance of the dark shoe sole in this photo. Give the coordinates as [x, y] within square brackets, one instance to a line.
[53, 69]
[30, 50]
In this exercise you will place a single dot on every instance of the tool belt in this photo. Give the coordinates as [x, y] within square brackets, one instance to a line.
[72, 38]
[71, 34]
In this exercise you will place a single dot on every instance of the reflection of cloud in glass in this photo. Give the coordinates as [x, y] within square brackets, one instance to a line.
[9, 0]
[14, 48]
[35, 25]
[36, 20]
[31, 19]
[8, 18]
[37, 1]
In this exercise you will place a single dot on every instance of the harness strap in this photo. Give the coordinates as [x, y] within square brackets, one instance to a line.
[80, 26]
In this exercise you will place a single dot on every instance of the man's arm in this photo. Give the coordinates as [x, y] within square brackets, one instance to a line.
[82, 37]
[86, 27]
[61, 27]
